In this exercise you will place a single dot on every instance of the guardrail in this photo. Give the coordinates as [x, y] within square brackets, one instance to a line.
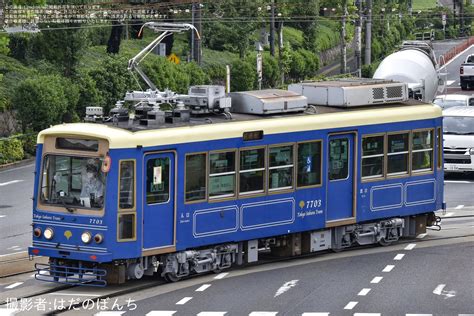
[457, 49]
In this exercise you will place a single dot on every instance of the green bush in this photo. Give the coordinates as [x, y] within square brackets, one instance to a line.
[11, 150]
[29, 144]
[242, 76]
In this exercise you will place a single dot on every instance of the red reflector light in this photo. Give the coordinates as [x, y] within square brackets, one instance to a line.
[35, 251]
[93, 257]
[461, 70]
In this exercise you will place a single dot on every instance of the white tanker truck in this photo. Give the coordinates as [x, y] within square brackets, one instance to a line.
[416, 65]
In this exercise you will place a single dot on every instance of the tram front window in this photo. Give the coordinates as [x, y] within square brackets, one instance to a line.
[72, 182]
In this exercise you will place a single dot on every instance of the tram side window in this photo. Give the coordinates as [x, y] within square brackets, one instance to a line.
[195, 177]
[252, 171]
[158, 180]
[280, 168]
[398, 153]
[373, 156]
[422, 150]
[309, 164]
[127, 185]
[439, 137]
[222, 174]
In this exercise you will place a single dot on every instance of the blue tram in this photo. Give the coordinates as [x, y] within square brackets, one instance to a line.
[112, 204]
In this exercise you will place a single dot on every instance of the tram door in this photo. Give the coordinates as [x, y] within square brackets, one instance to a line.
[340, 177]
[158, 200]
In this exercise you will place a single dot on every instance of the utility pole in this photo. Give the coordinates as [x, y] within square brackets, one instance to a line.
[358, 35]
[195, 40]
[368, 33]
[272, 28]
[454, 14]
[343, 38]
[461, 16]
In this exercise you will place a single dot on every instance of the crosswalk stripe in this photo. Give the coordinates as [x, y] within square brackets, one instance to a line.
[399, 256]
[364, 292]
[351, 305]
[376, 279]
[184, 301]
[160, 313]
[388, 268]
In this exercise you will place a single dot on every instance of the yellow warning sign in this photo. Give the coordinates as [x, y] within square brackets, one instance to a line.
[173, 58]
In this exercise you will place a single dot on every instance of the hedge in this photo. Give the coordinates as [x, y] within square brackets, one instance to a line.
[17, 147]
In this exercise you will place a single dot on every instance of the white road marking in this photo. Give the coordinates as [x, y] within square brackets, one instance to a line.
[367, 314]
[285, 287]
[364, 292]
[73, 294]
[184, 301]
[376, 280]
[388, 268]
[439, 289]
[221, 275]
[448, 214]
[410, 246]
[419, 315]
[2, 216]
[109, 313]
[203, 288]
[399, 256]
[466, 315]
[161, 313]
[211, 314]
[263, 313]
[456, 181]
[420, 236]
[8, 311]
[10, 182]
[13, 253]
[315, 314]
[351, 305]
[450, 82]
[459, 207]
[10, 248]
[11, 286]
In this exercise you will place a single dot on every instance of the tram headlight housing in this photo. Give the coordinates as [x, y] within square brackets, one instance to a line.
[471, 151]
[86, 237]
[48, 233]
[98, 238]
[37, 232]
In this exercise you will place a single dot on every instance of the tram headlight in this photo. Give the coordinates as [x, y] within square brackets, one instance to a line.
[471, 151]
[37, 232]
[98, 238]
[48, 233]
[86, 237]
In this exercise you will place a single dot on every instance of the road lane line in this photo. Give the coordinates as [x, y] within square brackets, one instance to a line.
[439, 289]
[221, 275]
[211, 314]
[10, 182]
[203, 288]
[367, 314]
[160, 313]
[399, 256]
[388, 268]
[2, 216]
[448, 214]
[419, 315]
[184, 301]
[315, 314]
[410, 246]
[14, 253]
[376, 279]
[420, 236]
[263, 313]
[351, 305]
[459, 207]
[364, 292]
[11, 286]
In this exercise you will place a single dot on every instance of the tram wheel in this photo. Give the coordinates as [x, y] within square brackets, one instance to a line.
[384, 243]
[171, 277]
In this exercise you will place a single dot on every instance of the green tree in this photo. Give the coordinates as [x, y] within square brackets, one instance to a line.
[4, 41]
[41, 101]
[242, 76]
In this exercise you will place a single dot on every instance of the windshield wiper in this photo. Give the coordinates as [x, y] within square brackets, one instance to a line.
[69, 209]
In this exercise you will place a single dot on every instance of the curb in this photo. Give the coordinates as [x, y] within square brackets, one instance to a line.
[18, 263]
[17, 164]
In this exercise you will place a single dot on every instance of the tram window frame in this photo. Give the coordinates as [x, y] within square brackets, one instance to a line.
[407, 152]
[414, 151]
[134, 226]
[439, 145]
[375, 177]
[281, 167]
[205, 170]
[319, 183]
[211, 175]
[263, 169]
[134, 187]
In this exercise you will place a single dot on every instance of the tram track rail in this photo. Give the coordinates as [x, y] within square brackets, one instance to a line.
[152, 282]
